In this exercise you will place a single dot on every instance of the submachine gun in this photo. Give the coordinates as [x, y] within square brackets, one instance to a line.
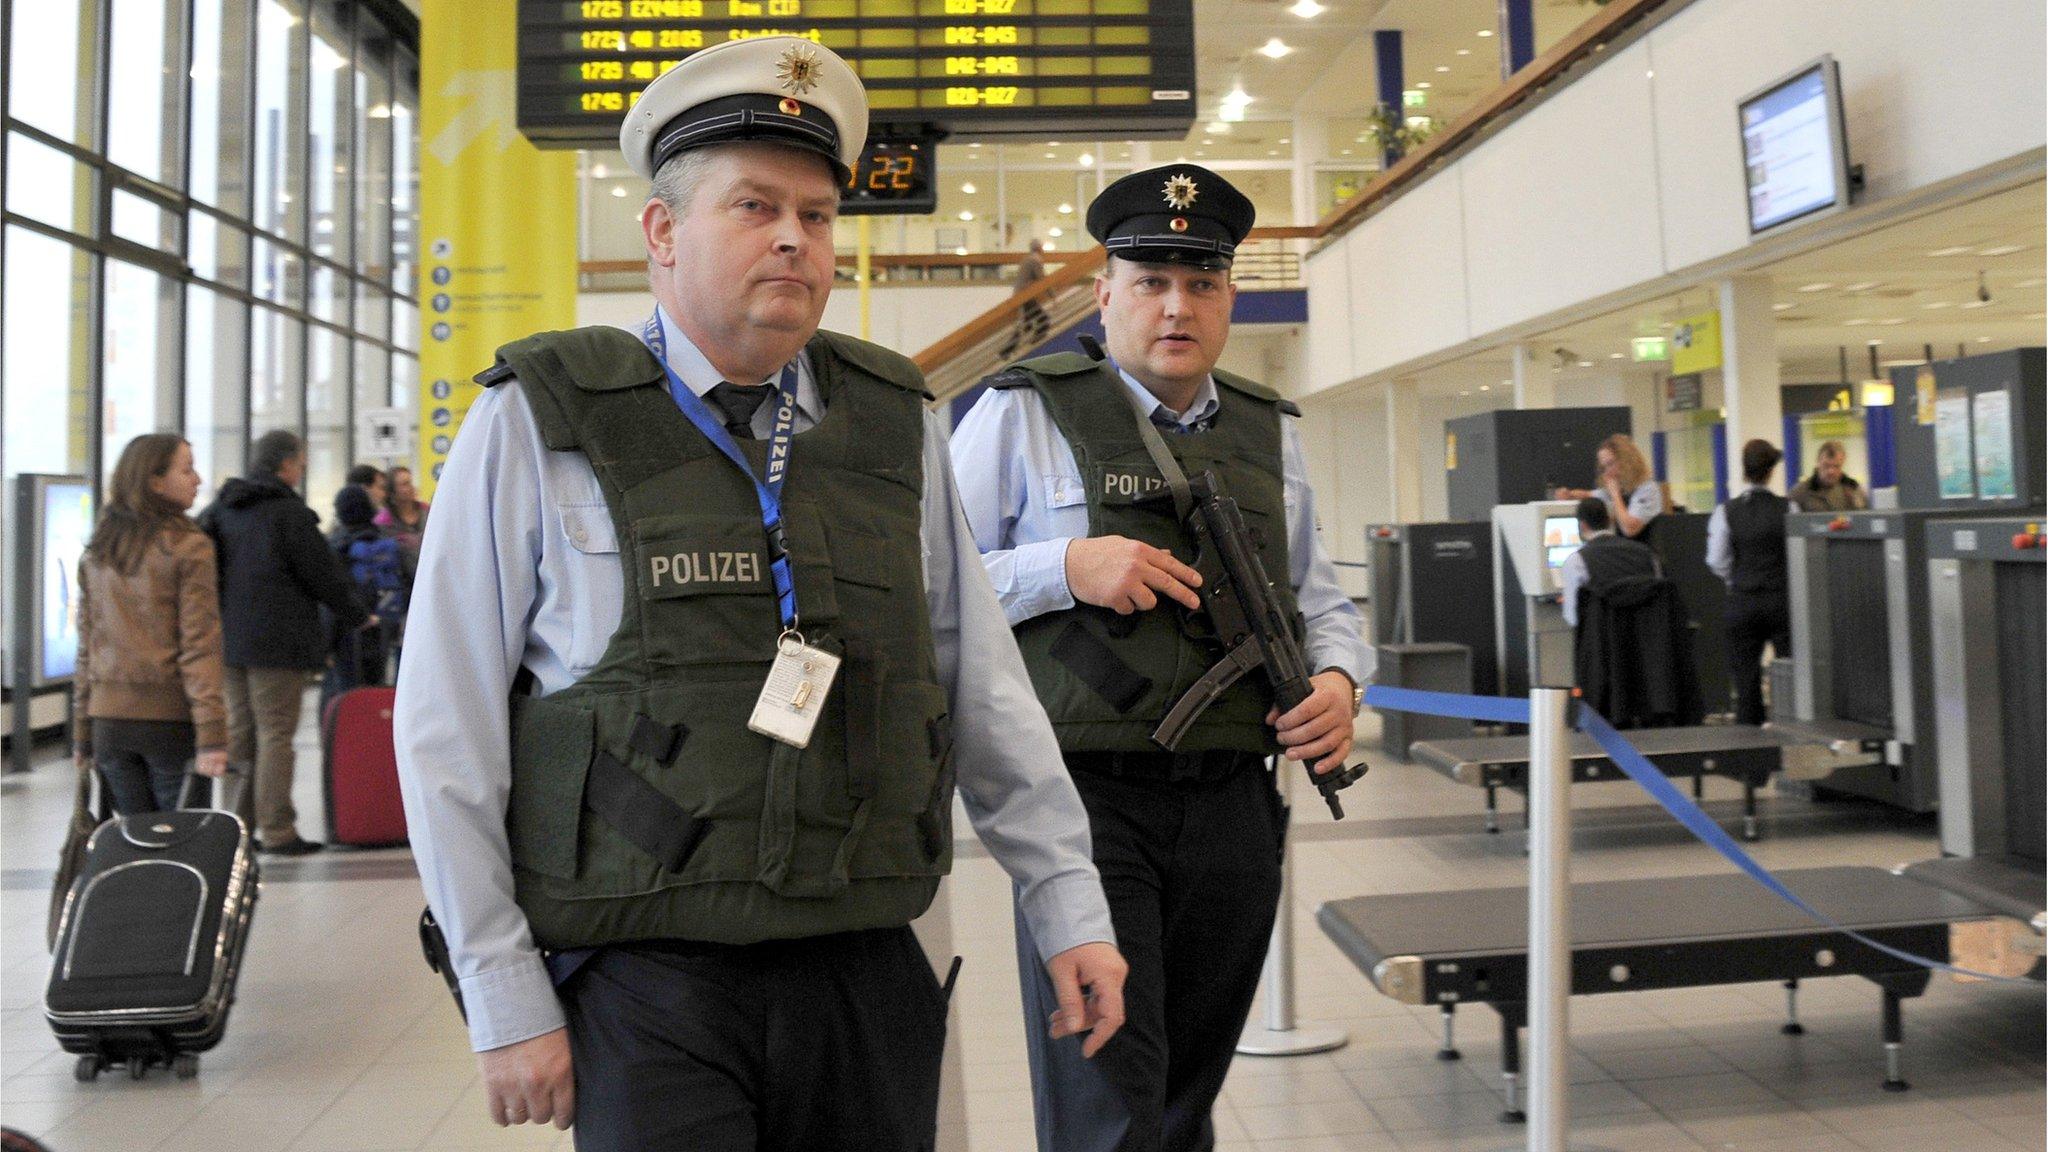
[1250, 624]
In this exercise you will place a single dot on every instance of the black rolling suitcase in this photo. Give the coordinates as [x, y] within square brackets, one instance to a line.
[150, 941]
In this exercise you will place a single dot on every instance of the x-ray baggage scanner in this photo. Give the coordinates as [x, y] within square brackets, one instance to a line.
[1531, 543]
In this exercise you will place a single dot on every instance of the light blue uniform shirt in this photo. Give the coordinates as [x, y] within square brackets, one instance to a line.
[1025, 502]
[1646, 503]
[520, 567]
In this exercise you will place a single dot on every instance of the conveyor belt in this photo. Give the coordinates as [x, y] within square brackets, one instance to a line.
[1675, 912]
[1841, 735]
[1740, 752]
[2013, 890]
[1448, 948]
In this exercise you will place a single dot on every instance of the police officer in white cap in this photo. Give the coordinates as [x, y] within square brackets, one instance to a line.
[685, 704]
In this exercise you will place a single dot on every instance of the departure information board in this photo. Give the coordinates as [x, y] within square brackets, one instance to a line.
[1119, 69]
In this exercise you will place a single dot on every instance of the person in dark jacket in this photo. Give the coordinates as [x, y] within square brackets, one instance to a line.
[1746, 548]
[1828, 489]
[276, 573]
[381, 570]
[1632, 641]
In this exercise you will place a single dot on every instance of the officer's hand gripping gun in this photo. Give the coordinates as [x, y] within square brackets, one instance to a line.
[1250, 624]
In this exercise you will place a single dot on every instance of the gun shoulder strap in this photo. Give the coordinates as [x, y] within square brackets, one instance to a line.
[1162, 456]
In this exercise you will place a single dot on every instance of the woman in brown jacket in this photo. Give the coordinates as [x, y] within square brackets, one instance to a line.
[148, 686]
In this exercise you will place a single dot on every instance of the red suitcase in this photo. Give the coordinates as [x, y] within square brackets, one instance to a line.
[361, 768]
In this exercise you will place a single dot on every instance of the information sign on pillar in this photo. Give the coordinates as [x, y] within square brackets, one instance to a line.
[497, 218]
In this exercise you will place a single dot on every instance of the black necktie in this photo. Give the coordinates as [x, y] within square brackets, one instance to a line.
[739, 402]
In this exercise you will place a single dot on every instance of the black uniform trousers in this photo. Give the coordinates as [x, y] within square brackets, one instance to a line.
[1754, 619]
[1191, 870]
[829, 1042]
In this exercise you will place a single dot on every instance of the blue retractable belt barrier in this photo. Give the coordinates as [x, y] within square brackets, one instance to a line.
[1507, 710]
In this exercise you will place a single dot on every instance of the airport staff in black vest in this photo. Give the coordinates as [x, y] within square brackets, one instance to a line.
[700, 647]
[1746, 547]
[1057, 469]
[1603, 558]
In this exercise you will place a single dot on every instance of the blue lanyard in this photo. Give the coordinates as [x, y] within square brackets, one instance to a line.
[769, 491]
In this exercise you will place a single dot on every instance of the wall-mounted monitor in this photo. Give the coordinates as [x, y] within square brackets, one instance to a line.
[1560, 539]
[1795, 151]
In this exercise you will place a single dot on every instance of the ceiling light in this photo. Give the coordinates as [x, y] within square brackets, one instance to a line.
[1443, 67]
[966, 215]
[1055, 232]
[599, 171]
[2034, 282]
[974, 143]
[1821, 286]
[962, 251]
[1087, 160]
[1464, 51]
[619, 190]
[1272, 151]
[1585, 363]
[1307, 9]
[1344, 152]
[1066, 209]
[1049, 245]
[1275, 48]
[1617, 355]
[1466, 392]
[1890, 321]
[1975, 304]
[1052, 143]
[1422, 84]
[1858, 322]
[1937, 305]
[1485, 32]
[2000, 250]
[1983, 339]
[1238, 96]
[1049, 155]
[1201, 152]
[1783, 306]
[1953, 250]
[967, 188]
[1215, 127]
[1285, 140]
[1486, 387]
[1860, 286]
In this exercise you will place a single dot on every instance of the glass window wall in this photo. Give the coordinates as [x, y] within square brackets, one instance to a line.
[209, 211]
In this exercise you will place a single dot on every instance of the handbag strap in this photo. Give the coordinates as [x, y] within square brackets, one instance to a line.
[81, 804]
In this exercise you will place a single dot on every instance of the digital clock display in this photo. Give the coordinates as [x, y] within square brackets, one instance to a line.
[895, 177]
[961, 68]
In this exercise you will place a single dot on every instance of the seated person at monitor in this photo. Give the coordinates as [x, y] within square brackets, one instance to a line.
[1827, 489]
[1601, 560]
[1623, 483]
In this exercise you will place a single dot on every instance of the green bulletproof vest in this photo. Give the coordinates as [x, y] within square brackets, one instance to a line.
[642, 807]
[1106, 680]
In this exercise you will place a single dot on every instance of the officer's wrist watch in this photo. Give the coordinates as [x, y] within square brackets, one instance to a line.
[1357, 690]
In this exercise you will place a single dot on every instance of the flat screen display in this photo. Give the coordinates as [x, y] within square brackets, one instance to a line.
[65, 515]
[1793, 150]
[1560, 539]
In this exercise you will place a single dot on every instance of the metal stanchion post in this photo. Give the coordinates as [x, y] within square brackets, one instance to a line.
[1550, 919]
[1550, 911]
[1280, 1035]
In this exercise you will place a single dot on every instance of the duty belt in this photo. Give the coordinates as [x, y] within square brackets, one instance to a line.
[1176, 767]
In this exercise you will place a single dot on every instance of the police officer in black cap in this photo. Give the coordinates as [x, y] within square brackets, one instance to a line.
[1091, 563]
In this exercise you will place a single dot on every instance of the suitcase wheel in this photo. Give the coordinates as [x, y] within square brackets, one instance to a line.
[185, 1065]
[138, 1067]
[87, 1069]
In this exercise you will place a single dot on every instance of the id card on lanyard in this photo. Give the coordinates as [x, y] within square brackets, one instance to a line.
[794, 696]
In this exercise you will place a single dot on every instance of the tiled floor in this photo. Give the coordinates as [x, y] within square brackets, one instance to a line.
[343, 1040]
